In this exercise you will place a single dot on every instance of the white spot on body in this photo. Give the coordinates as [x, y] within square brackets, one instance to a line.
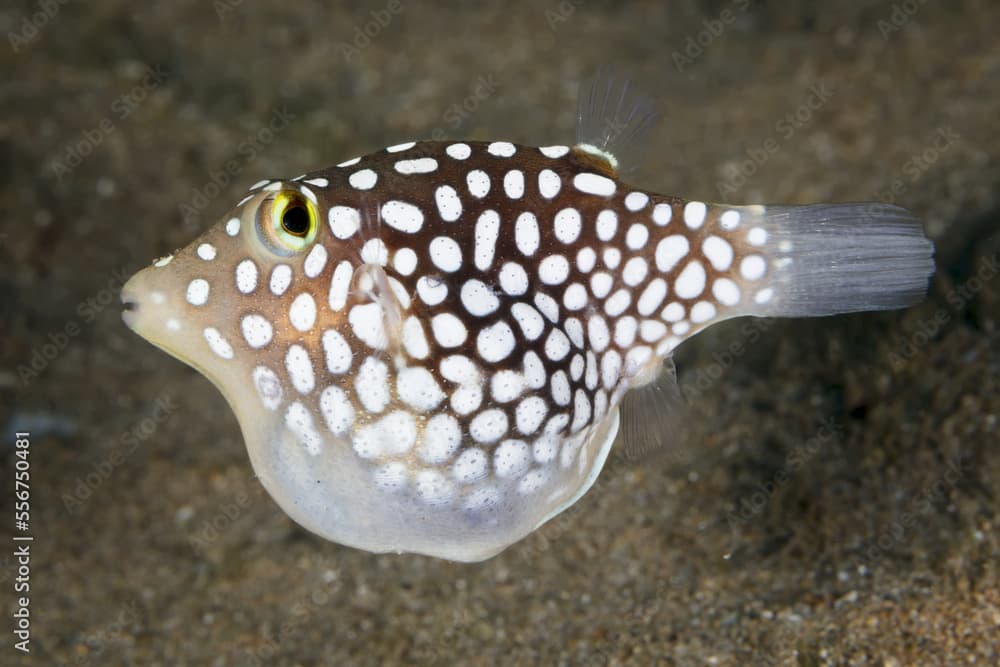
[364, 179]
[575, 297]
[431, 291]
[671, 250]
[445, 253]
[618, 302]
[607, 224]
[398, 148]
[337, 411]
[487, 232]
[233, 226]
[350, 163]
[315, 261]
[568, 225]
[423, 165]
[268, 387]
[367, 324]
[673, 312]
[372, 384]
[470, 466]
[478, 299]
[489, 425]
[344, 221]
[217, 343]
[636, 236]
[458, 151]
[625, 331]
[635, 271]
[302, 313]
[528, 319]
[449, 331]
[511, 458]
[496, 342]
[553, 270]
[549, 183]
[547, 306]
[337, 352]
[662, 214]
[281, 278]
[257, 330]
[694, 214]
[318, 182]
[403, 216]
[763, 296]
[753, 267]
[702, 311]
[636, 201]
[726, 291]
[206, 251]
[554, 152]
[405, 261]
[757, 236]
[612, 257]
[414, 339]
[586, 259]
[601, 283]
[197, 292]
[299, 421]
[652, 297]
[598, 333]
[417, 388]
[300, 369]
[559, 386]
[506, 386]
[501, 149]
[526, 233]
[513, 183]
[529, 414]
[513, 279]
[691, 281]
[340, 284]
[718, 252]
[442, 436]
[729, 220]
[594, 184]
[556, 345]
[448, 203]
[478, 182]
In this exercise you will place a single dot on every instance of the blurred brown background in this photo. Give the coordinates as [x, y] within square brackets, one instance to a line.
[835, 501]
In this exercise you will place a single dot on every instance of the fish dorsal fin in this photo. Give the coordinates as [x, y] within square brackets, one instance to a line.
[653, 417]
[614, 115]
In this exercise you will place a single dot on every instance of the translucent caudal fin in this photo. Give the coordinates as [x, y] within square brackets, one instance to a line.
[824, 259]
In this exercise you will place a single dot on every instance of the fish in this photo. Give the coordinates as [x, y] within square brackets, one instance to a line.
[431, 348]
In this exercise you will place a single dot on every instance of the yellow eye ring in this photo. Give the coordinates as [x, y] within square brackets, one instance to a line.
[288, 222]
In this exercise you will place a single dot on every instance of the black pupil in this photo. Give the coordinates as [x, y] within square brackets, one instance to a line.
[295, 220]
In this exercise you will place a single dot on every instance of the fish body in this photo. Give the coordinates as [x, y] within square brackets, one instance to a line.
[427, 347]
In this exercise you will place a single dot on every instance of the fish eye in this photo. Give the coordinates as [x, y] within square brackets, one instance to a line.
[287, 222]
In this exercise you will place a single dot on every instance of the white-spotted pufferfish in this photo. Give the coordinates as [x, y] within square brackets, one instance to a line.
[427, 347]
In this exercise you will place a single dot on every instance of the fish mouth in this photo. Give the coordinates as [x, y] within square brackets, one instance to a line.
[130, 307]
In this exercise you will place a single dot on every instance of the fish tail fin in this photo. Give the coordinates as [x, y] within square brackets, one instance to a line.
[824, 259]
